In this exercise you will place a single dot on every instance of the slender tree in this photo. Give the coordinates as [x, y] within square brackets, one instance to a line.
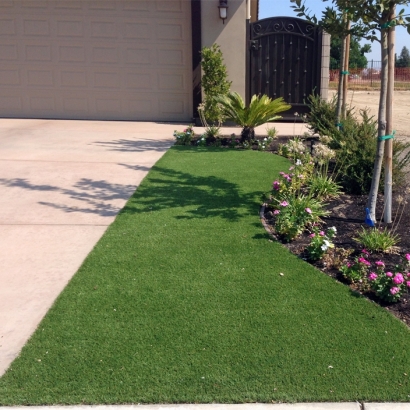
[370, 17]
[357, 57]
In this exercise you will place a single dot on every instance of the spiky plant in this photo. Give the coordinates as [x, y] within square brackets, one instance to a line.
[260, 111]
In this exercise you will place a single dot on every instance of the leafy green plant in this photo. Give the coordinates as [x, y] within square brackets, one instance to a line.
[214, 82]
[260, 111]
[184, 137]
[201, 142]
[296, 213]
[272, 132]
[320, 242]
[291, 183]
[323, 187]
[263, 144]
[212, 132]
[375, 239]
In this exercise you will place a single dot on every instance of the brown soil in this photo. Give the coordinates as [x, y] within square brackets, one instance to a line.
[347, 214]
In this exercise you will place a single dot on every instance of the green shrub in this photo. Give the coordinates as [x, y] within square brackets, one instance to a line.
[323, 187]
[374, 239]
[355, 144]
[214, 82]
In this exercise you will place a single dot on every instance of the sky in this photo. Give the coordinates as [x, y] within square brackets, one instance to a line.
[272, 8]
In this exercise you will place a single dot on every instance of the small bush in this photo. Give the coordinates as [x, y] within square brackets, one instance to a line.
[184, 137]
[214, 82]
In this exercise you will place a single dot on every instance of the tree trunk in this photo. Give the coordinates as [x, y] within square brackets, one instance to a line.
[247, 134]
[341, 80]
[388, 149]
[371, 204]
[346, 68]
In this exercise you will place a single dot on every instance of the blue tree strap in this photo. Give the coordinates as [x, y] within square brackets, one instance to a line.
[387, 137]
[339, 124]
[389, 24]
[344, 72]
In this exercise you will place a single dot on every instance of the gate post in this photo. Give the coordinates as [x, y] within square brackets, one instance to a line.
[324, 76]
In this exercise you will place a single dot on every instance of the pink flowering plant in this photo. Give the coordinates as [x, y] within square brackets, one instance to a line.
[184, 137]
[292, 181]
[356, 271]
[320, 242]
[295, 214]
[390, 285]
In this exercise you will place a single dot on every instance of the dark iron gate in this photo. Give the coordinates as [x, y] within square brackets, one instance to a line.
[285, 61]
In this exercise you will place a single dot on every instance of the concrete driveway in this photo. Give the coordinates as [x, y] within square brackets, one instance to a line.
[61, 184]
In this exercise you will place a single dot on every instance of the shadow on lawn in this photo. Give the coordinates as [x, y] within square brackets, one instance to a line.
[125, 145]
[94, 196]
[210, 196]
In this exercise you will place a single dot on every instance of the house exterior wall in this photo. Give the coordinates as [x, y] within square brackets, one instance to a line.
[231, 37]
[96, 59]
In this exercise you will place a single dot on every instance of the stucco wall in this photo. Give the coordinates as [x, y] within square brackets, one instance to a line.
[231, 36]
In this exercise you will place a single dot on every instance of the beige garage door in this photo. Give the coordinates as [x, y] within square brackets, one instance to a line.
[106, 59]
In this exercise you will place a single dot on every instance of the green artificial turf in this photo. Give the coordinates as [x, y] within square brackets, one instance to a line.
[182, 301]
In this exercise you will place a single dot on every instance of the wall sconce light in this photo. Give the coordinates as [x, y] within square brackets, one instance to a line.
[223, 10]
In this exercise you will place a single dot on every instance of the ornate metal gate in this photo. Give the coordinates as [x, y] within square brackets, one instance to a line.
[285, 61]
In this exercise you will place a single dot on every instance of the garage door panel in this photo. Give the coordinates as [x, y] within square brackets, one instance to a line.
[40, 77]
[10, 77]
[7, 27]
[8, 52]
[70, 28]
[10, 103]
[102, 59]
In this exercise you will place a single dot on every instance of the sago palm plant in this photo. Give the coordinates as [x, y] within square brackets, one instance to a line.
[260, 111]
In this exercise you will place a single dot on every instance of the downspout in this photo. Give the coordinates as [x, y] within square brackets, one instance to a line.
[247, 52]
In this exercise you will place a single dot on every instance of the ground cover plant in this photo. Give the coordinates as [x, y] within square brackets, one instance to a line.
[185, 299]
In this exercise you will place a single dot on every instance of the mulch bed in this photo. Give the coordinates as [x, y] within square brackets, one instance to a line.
[347, 214]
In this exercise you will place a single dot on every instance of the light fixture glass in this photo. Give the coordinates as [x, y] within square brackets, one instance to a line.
[223, 9]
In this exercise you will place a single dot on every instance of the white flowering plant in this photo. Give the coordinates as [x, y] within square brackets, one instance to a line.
[320, 242]
[294, 149]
